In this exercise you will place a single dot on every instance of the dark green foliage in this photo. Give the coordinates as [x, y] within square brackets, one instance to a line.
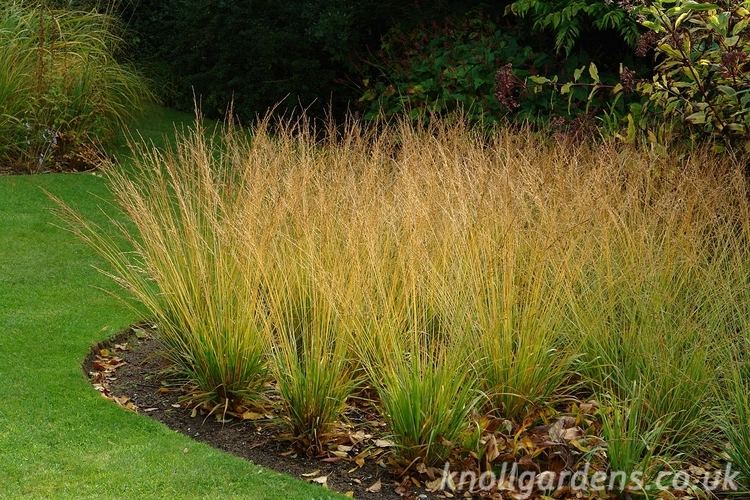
[411, 56]
[487, 66]
[222, 50]
[442, 67]
[258, 53]
[699, 89]
[699, 86]
[567, 20]
[524, 60]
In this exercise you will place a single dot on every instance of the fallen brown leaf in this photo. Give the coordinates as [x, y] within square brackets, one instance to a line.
[322, 480]
[376, 487]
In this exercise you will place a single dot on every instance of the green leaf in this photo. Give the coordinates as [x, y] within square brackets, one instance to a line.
[566, 88]
[698, 6]
[680, 19]
[731, 41]
[669, 50]
[737, 128]
[594, 72]
[740, 26]
[631, 133]
[697, 118]
[727, 90]
[539, 80]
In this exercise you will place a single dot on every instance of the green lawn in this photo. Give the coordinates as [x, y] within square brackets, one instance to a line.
[58, 437]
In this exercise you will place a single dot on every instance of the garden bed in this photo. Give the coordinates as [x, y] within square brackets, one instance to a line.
[130, 370]
[383, 307]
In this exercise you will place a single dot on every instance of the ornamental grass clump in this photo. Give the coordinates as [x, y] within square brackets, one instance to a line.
[297, 218]
[468, 277]
[733, 413]
[647, 306]
[633, 443]
[420, 365]
[61, 86]
[179, 257]
[310, 358]
[735, 422]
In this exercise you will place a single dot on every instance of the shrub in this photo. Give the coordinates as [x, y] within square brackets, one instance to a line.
[698, 87]
[492, 70]
[441, 68]
[373, 57]
[702, 77]
[60, 85]
[568, 20]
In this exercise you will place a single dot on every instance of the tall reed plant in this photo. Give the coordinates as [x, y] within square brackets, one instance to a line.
[645, 306]
[180, 258]
[452, 270]
[61, 85]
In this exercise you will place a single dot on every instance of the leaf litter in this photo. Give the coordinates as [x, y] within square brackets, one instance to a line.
[359, 458]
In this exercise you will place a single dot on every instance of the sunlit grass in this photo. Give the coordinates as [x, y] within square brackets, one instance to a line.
[182, 263]
[61, 87]
[310, 352]
[449, 269]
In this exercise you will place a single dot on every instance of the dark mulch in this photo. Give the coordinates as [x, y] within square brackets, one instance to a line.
[132, 373]
[129, 370]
